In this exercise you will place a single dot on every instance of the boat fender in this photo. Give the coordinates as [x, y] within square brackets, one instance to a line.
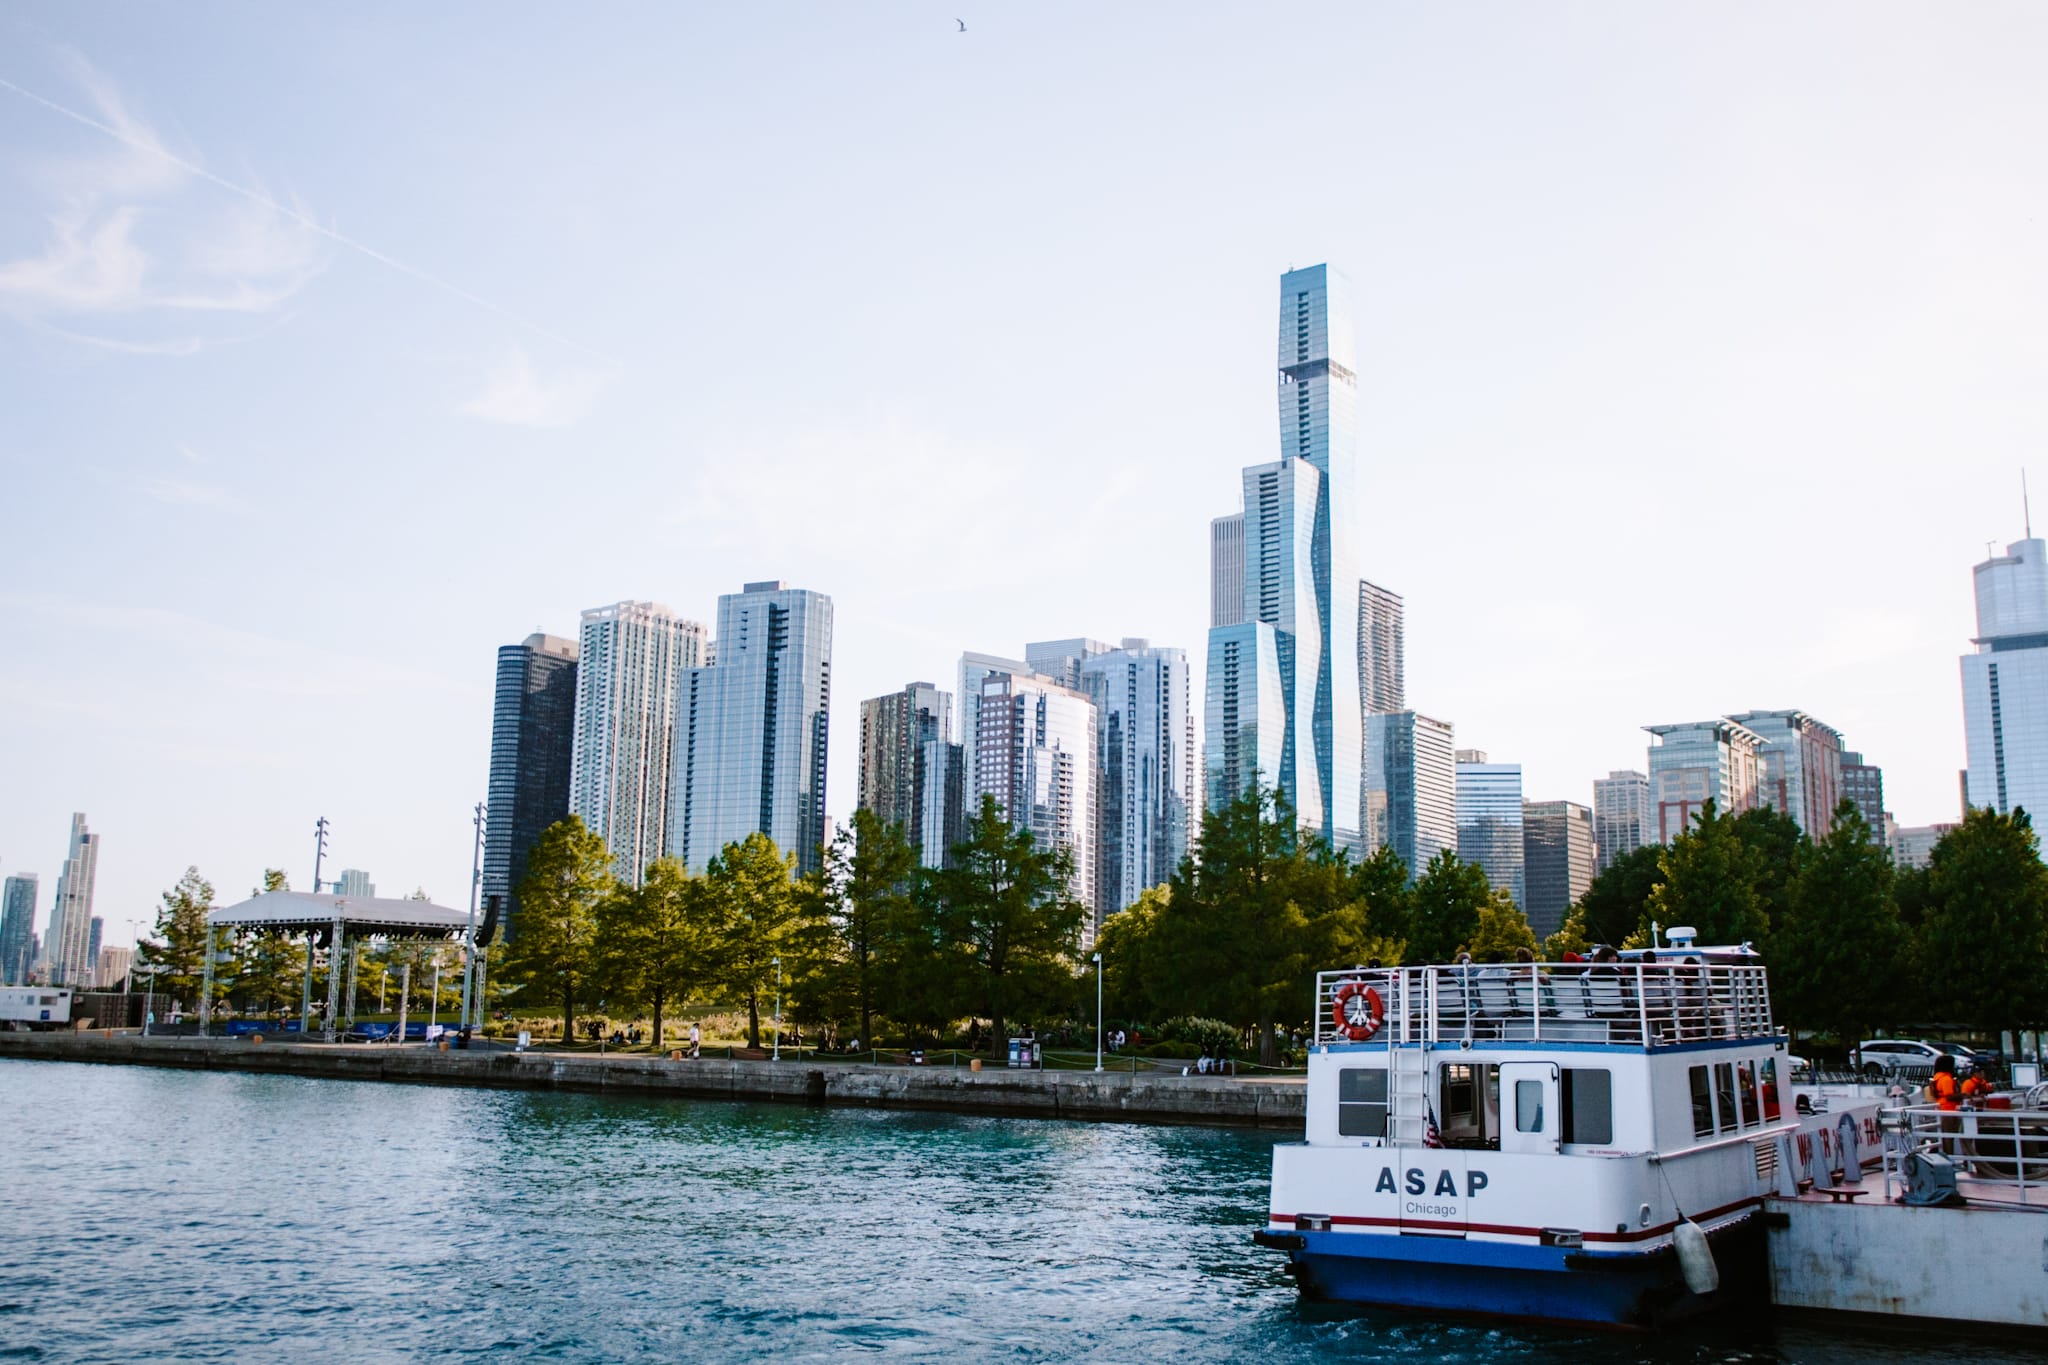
[1695, 1257]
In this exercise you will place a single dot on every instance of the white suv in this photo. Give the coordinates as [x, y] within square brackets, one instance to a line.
[1882, 1056]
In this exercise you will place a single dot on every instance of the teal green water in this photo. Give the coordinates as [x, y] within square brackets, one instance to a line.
[178, 1215]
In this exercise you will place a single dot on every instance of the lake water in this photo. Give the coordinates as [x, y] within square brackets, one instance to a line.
[152, 1214]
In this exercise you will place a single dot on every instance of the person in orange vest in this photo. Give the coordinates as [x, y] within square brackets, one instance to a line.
[1944, 1089]
[1975, 1087]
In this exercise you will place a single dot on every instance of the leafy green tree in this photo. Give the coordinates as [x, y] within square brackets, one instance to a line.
[870, 870]
[269, 968]
[760, 912]
[568, 872]
[1501, 929]
[179, 945]
[654, 942]
[1984, 942]
[1569, 938]
[1128, 942]
[1617, 904]
[1710, 883]
[1838, 952]
[1381, 882]
[1005, 906]
[1446, 903]
[1777, 848]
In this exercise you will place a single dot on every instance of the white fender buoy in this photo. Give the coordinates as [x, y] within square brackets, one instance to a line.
[1695, 1257]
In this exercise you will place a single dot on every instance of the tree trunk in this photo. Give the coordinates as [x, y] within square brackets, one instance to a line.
[753, 1018]
[568, 1015]
[657, 1020]
[1266, 1041]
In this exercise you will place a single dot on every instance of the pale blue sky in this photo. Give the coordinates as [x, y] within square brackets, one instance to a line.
[1700, 346]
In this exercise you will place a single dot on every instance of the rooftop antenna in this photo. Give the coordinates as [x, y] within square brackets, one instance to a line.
[2026, 512]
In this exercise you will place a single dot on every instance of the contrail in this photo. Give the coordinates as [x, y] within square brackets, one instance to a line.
[285, 210]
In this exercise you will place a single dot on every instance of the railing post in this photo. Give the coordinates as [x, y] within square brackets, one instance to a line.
[1536, 1000]
[1642, 1007]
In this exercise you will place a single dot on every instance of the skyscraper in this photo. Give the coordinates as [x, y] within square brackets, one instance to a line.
[1061, 660]
[1490, 820]
[1298, 537]
[112, 967]
[751, 729]
[1145, 767]
[17, 928]
[1245, 719]
[1623, 818]
[1411, 787]
[67, 945]
[1697, 762]
[632, 655]
[355, 884]
[1382, 671]
[1863, 783]
[2005, 684]
[1226, 570]
[533, 755]
[1557, 861]
[1799, 767]
[1034, 752]
[910, 768]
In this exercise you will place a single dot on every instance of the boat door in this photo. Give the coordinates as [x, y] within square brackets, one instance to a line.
[1530, 1121]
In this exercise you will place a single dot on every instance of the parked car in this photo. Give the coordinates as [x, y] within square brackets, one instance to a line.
[1886, 1056]
[1799, 1068]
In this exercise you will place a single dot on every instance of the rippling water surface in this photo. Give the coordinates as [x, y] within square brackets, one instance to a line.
[168, 1214]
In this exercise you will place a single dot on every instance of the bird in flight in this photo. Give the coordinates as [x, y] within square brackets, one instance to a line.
[962, 23]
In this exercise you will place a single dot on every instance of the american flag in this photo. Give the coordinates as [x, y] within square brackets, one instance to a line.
[1430, 1136]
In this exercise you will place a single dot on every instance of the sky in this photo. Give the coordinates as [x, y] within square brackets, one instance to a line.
[1699, 352]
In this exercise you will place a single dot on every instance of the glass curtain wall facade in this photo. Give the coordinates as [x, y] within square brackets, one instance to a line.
[1411, 781]
[18, 928]
[1062, 660]
[1245, 719]
[751, 729]
[1034, 745]
[1226, 570]
[1623, 818]
[1490, 821]
[1145, 773]
[910, 769]
[67, 947]
[1697, 762]
[1557, 861]
[1799, 767]
[1382, 669]
[533, 747]
[630, 658]
[2005, 684]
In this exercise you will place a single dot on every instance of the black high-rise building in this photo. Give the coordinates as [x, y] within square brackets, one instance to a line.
[533, 730]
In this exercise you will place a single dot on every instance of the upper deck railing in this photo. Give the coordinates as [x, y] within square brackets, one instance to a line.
[1645, 1004]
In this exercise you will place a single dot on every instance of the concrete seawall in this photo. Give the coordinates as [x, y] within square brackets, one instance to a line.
[1109, 1095]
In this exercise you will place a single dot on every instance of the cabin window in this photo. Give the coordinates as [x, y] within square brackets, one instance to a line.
[1468, 1104]
[1702, 1103]
[1769, 1087]
[1724, 1094]
[1528, 1106]
[1362, 1102]
[1588, 1105]
[1745, 1084]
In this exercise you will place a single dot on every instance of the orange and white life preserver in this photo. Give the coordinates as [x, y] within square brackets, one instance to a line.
[1357, 1011]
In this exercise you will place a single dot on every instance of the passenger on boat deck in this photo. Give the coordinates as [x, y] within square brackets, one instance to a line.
[1524, 955]
[1944, 1089]
[1975, 1086]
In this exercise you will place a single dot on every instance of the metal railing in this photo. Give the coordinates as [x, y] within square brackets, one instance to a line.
[1648, 1004]
[2009, 1146]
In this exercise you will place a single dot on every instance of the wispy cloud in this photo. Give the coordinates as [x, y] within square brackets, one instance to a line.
[517, 395]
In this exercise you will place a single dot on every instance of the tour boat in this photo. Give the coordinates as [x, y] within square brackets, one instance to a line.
[1568, 1141]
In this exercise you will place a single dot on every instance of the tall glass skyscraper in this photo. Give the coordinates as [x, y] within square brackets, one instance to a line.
[1299, 557]
[17, 928]
[631, 657]
[751, 729]
[1226, 570]
[1411, 787]
[1490, 821]
[1557, 861]
[910, 768]
[1382, 667]
[533, 749]
[1623, 817]
[1799, 767]
[1033, 750]
[2005, 685]
[1145, 774]
[67, 947]
[1692, 764]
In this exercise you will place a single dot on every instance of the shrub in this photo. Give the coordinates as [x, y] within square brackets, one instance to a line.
[1212, 1033]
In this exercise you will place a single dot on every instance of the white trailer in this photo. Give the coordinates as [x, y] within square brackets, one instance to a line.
[35, 1007]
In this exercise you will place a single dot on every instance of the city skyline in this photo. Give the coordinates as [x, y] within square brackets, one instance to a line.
[1563, 371]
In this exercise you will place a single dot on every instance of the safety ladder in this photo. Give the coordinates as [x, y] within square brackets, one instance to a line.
[1407, 1071]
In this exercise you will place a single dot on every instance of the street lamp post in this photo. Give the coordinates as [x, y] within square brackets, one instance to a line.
[1098, 1011]
[383, 978]
[476, 881]
[149, 999]
[778, 1009]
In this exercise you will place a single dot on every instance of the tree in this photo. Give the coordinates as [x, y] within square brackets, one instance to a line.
[1128, 940]
[759, 913]
[568, 872]
[1446, 903]
[1501, 929]
[270, 967]
[1838, 951]
[1005, 906]
[1617, 904]
[180, 945]
[1569, 938]
[1710, 883]
[654, 941]
[870, 868]
[1381, 881]
[1984, 942]
[1777, 848]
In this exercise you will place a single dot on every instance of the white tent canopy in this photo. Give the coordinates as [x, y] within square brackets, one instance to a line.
[358, 915]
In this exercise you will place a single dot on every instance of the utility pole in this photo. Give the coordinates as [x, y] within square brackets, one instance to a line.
[476, 881]
[306, 987]
[319, 850]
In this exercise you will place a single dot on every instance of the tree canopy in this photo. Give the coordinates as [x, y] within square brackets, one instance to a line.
[568, 873]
